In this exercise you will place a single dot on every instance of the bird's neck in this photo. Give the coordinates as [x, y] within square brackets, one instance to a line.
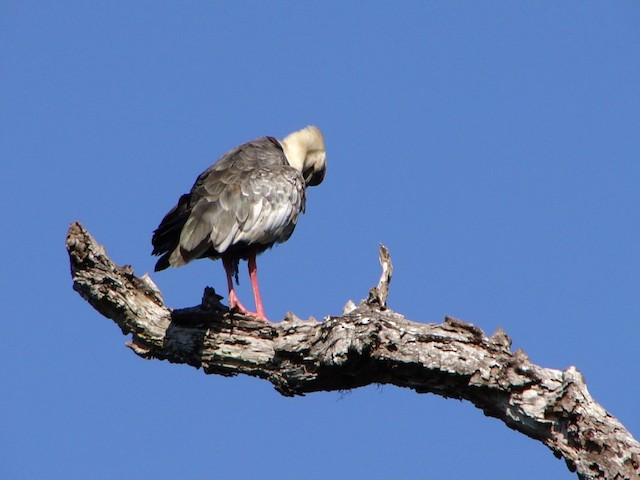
[295, 151]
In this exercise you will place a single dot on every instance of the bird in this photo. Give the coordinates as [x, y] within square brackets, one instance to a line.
[246, 202]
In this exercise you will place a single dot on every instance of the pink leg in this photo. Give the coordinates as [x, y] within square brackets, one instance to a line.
[253, 273]
[234, 301]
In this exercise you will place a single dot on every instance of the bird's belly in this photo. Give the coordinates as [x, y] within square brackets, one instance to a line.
[269, 235]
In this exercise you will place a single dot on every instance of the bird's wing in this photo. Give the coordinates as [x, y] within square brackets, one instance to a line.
[250, 197]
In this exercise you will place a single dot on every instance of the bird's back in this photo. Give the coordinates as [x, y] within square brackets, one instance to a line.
[249, 199]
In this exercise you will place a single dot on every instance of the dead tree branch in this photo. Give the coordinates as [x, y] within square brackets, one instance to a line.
[367, 344]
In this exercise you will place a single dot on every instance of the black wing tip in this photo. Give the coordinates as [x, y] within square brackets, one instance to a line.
[163, 263]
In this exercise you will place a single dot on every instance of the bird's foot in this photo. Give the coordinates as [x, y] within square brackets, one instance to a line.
[236, 306]
[247, 313]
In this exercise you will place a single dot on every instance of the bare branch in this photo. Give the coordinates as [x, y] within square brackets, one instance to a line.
[378, 295]
[368, 344]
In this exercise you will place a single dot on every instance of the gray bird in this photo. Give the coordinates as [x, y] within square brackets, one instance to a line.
[242, 205]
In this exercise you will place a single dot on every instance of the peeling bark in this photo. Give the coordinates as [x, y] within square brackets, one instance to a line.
[368, 344]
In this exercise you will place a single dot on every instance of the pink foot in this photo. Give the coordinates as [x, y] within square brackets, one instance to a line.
[236, 305]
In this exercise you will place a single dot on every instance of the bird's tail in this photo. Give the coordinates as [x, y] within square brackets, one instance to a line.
[167, 236]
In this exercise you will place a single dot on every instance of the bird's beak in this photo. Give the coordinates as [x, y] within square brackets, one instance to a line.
[314, 177]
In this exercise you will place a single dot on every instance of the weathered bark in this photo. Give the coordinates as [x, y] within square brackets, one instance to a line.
[367, 344]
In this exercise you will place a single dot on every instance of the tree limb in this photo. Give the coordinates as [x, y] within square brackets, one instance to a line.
[367, 344]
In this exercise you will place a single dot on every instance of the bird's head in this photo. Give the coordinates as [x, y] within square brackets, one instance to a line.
[305, 151]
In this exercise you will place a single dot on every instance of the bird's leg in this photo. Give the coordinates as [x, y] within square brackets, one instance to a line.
[253, 274]
[234, 301]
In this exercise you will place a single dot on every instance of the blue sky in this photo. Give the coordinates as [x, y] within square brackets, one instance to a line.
[492, 147]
